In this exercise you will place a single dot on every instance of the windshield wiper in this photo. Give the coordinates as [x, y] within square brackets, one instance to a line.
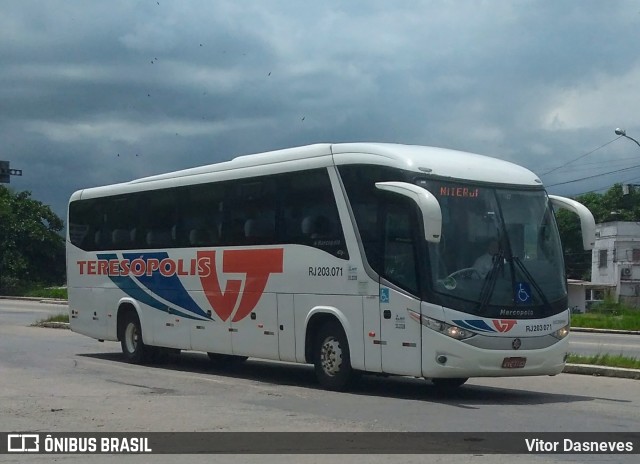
[533, 282]
[490, 281]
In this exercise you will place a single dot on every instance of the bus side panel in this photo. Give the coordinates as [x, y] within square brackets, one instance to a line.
[86, 295]
[170, 330]
[212, 336]
[286, 327]
[346, 308]
[87, 312]
[256, 334]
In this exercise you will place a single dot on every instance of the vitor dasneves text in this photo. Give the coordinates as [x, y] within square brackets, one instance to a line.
[536, 445]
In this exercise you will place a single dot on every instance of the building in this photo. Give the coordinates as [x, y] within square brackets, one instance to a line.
[582, 294]
[615, 260]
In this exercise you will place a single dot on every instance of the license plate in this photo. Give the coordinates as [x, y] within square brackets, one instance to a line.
[513, 363]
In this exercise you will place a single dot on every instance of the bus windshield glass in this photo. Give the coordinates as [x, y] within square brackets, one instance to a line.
[499, 254]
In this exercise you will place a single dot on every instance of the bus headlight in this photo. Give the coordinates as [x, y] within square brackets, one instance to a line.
[449, 330]
[561, 333]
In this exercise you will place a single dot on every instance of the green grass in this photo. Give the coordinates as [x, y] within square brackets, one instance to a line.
[608, 360]
[47, 292]
[608, 315]
[628, 320]
[62, 317]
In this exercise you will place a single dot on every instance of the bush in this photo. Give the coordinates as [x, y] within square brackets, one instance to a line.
[46, 292]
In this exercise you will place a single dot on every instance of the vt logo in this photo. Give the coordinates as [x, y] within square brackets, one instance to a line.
[257, 265]
[504, 325]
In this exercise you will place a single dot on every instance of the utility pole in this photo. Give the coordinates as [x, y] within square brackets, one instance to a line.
[5, 177]
[6, 172]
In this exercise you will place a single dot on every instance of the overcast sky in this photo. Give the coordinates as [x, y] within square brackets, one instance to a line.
[98, 92]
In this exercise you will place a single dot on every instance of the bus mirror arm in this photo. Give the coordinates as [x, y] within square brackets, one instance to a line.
[427, 203]
[587, 222]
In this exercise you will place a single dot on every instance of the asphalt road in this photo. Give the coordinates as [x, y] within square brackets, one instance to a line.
[54, 380]
[600, 343]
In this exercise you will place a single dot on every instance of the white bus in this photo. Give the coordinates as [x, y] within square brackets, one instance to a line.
[356, 257]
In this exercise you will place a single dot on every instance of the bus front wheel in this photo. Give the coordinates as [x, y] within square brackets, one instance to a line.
[331, 357]
[133, 347]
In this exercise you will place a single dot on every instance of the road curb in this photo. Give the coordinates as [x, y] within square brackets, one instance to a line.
[36, 298]
[52, 325]
[603, 371]
[606, 331]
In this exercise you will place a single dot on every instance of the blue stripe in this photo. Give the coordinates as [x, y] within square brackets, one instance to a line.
[131, 288]
[169, 288]
[474, 324]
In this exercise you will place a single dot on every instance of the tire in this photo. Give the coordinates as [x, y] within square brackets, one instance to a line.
[449, 384]
[226, 360]
[133, 347]
[331, 358]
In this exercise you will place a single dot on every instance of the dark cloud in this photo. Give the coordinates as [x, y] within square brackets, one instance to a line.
[181, 84]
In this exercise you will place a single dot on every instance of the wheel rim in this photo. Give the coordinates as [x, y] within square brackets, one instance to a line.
[131, 337]
[331, 356]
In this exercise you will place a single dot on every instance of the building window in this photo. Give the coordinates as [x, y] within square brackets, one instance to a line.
[636, 255]
[602, 259]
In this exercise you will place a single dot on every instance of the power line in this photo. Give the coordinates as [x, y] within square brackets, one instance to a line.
[633, 179]
[594, 176]
[594, 166]
[611, 161]
[580, 157]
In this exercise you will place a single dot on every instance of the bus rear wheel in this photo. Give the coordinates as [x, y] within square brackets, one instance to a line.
[331, 358]
[449, 384]
[133, 347]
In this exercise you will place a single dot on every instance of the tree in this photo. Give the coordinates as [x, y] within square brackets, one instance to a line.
[577, 260]
[31, 247]
[613, 205]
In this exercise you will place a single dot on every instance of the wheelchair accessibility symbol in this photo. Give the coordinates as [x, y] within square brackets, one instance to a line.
[384, 295]
[523, 292]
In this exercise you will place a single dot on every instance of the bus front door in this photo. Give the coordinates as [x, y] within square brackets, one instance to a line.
[399, 333]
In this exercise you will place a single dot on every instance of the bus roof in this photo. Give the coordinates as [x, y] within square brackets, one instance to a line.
[439, 162]
[430, 161]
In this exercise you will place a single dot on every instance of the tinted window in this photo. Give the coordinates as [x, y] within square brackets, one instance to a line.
[288, 208]
[386, 223]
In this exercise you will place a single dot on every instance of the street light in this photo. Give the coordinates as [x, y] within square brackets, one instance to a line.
[623, 133]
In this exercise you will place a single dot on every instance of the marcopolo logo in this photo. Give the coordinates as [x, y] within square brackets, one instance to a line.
[147, 276]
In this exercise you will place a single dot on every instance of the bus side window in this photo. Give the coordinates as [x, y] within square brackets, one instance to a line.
[309, 213]
[400, 245]
[249, 212]
[259, 230]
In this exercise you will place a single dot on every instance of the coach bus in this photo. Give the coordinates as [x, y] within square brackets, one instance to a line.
[354, 257]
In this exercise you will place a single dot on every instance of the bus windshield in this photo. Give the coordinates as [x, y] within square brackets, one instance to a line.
[499, 254]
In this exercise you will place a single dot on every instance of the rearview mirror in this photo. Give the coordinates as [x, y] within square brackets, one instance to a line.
[587, 222]
[427, 203]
